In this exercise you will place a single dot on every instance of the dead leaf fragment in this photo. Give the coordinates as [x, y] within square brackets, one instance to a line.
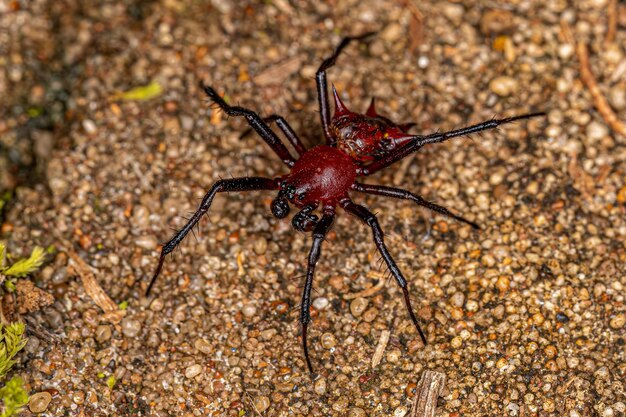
[428, 390]
[31, 298]
[277, 74]
[92, 288]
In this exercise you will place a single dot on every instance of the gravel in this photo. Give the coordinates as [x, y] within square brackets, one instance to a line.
[525, 317]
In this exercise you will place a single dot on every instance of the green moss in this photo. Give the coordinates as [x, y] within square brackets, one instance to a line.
[12, 340]
[25, 266]
[13, 396]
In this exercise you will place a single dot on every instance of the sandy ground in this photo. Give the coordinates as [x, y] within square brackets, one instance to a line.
[525, 317]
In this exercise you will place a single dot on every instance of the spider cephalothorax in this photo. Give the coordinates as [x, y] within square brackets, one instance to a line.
[324, 177]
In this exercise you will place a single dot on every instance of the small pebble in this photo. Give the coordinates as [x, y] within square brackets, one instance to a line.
[513, 409]
[320, 386]
[131, 327]
[141, 217]
[565, 50]
[357, 412]
[503, 86]
[617, 98]
[203, 346]
[456, 342]
[157, 304]
[400, 411]
[58, 186]
[596, 130]
[39, 402]
[562, 317]
[78, 397]
[146, 242]
[618, 321]
[423, 61]
[548, 405]
[457, 299]
[454, 12]
[89, 126]
[394, 355]
[121, 233]
[471, 305]
[503, 283]
[608, 412]
[328, 340]
[320, 303]
[496, 22]
[392, 33]
[370, 314]
[341, 404]
[261, 403]
[249, 310]
[192, 371]
[103, 333]
[260, 246]
[358, 306]
[550, 351]
[268, 334]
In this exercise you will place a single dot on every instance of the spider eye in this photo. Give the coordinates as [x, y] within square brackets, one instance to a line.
[280, 207]
[387, 144]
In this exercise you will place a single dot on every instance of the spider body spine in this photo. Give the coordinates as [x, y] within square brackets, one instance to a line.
[366, 137]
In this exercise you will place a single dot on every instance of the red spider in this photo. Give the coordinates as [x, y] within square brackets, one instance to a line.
[357, 145]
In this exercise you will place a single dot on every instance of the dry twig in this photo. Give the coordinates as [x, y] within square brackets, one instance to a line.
[428, 390]
[590, 82]
[94, 290]
[611, 16]
[380, 349]
[371, 290]
[599, 100]
[416, 27]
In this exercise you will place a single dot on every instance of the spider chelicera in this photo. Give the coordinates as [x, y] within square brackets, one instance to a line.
[323, 177]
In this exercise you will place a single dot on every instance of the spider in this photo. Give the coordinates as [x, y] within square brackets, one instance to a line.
[323, 177]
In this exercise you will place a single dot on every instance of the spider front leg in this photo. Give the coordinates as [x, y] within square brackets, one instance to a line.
[370, 219]
[407, 195]
[235, 184]
[287, 130]
[416, 142]
[322, 84]
[319, 233]
[256, 122]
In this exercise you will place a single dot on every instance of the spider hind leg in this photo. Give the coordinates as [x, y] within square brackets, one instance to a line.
[370, 219]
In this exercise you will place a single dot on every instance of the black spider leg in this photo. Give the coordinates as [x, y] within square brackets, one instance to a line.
[319, 233]
[235, 184]
[255, 122]
[370, 219]
[420, 141]
[287, 130]
[322, 84]
[407, 195]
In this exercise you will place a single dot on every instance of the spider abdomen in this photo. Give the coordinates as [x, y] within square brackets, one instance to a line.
[323, 175]
[366, 137]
